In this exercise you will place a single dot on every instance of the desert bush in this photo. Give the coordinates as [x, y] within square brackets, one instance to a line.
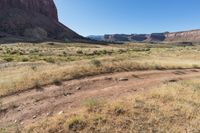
[122, 51]
[50, 60]
[64, 53]
[51, 43]
[8, 59]
[96, 62]
[57, 82]
[75, 124]
[92, 105]
[14, 52]
[118, 109]
[104, 51]
[79, 52]
[25, 59]
[38, 86]
[34, 68]
[195, 66]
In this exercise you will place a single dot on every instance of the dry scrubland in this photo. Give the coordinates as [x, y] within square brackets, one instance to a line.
[25, 66]
[173, 107]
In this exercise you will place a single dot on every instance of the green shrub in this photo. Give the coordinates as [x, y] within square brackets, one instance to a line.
[195, 66]
[8, 59]
[34, 68]
[57, 82]
[79, 52]
[119, 110]
[97, 63]
[93, 105]
[25, 59]
[64, 53]
[75, 124]
[50, 60]
[104, 51]
[51, 43]
[14, 52]
[37, 86]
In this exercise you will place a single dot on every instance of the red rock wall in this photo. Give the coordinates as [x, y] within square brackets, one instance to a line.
[45, 7]
[185, 36]
[33, 18]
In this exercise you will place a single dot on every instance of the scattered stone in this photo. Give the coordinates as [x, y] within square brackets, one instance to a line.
[67, 94]
[173, 80]
[136, 76]
[78, 88]
[34, 116]
[18, 110]
[61, 112]
[194, 71]
[15, 121]
[134, 89]
[108, 78]
[123, 79]
[49, 113]
[21, 123]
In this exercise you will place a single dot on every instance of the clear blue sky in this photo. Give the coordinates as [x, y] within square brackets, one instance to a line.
[98, 17]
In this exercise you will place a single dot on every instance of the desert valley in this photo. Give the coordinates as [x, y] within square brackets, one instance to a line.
[53, 80]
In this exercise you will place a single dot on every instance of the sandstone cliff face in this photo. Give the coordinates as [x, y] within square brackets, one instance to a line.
[185, 36]
[45, 7]
[33, 19]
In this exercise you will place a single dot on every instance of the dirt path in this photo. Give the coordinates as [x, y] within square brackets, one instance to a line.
[35, 104]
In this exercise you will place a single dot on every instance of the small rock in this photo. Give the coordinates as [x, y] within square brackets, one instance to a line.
[61, 112]
[78, 88]
[67, 94]
[134, 89]
[173, 80]
[123, 79]
[21, 123]
[15, 121]
[48, 114]
[34, 116]
[108, 78]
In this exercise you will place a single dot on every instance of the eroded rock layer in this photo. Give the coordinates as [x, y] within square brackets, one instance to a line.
[33, 19]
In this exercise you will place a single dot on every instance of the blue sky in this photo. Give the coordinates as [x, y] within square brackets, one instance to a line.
[98, 17]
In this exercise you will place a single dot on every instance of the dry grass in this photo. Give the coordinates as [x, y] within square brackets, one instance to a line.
[47, 63]
[14, 79]
[173, 107]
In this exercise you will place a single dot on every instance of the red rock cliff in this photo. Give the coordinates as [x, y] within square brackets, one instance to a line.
[33, 19]
[45, 7]
[185, 36]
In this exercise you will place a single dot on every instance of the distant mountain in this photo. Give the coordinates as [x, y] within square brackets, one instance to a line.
[96, 37]
[183, 36]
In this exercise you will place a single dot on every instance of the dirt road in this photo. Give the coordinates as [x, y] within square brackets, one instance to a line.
[32, 105]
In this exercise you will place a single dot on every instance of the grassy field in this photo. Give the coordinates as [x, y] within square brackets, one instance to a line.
[173, 107]
[25, 66]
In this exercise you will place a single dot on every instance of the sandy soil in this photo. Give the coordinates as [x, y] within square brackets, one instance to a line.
[32, 105]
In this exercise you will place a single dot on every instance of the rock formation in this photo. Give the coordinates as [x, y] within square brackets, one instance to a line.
[184, 36]
[33, 20]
